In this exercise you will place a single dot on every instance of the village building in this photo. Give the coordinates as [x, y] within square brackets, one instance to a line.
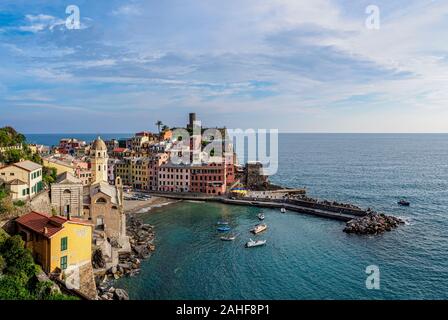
[67, 195]
[174, 178]
[22, 179]
[60, 246]
[67, 163]
[56, 242]
[100, 203]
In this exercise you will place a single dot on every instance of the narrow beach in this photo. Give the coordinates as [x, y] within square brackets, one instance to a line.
[135, 206]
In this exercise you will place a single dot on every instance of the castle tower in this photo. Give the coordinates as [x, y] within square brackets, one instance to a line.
[98, 160]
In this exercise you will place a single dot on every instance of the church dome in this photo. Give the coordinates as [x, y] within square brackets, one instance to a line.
[99, 145]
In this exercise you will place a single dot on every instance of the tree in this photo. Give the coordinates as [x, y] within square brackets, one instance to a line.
[19, 260]
[18, 281]
[159, 124]
[10, 137]
[49, 175]
[12, 156]
[11, 288]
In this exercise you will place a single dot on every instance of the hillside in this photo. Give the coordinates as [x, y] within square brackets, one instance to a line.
[10, 137]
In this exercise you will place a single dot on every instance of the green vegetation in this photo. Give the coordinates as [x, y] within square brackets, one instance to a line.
[3, 192]
[6, 205]
[18, 273]
[10, 137]
[19, 203]
[8, 208]
[49, 175]
[158, 124]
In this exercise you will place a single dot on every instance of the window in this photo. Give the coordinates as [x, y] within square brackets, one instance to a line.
[64, 244]
[101, 200]
[63, 262]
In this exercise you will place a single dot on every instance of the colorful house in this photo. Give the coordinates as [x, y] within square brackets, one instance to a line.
[56, 242]
[23, 179]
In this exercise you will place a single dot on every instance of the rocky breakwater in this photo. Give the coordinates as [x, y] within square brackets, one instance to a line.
[372, 223]
[141, 238]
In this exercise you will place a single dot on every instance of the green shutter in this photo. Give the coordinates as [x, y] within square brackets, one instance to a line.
[63, 262]
[64, 244]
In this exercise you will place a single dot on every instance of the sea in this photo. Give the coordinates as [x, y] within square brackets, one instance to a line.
[308, 257]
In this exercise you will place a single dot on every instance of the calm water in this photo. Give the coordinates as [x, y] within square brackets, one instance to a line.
[308, 257]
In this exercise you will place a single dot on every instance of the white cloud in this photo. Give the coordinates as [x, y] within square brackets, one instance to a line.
[128, 10]
[41, 22]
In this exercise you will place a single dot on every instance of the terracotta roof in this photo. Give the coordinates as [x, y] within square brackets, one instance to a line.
[37, 222]
[120, 149]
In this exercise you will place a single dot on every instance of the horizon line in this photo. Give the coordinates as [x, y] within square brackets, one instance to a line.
[281, 132]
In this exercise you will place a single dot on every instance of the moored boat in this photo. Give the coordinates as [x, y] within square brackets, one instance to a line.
[283, 210]
[251, 243]
[259, 228]
[260, 216]
[222, 222]
[228, 238]
[404, 203]
[223, 228]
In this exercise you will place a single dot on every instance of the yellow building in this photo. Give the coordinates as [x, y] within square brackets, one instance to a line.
[57, 243]
[60, 166]
[22, 179]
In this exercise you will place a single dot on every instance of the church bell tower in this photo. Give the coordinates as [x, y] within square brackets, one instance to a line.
[98, 160]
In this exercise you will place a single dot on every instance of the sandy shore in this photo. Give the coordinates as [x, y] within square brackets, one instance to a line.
[134, 206]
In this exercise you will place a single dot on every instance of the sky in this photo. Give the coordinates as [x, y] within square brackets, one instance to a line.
[291, 65]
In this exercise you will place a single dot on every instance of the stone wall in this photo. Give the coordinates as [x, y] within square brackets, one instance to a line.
[67, 194]
[41, 203]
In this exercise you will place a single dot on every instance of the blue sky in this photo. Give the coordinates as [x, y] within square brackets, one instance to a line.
[292, 65]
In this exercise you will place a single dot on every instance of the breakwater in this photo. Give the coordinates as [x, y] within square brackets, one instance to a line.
[320, 209]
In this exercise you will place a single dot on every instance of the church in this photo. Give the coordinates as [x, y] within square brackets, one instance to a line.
[99, 202]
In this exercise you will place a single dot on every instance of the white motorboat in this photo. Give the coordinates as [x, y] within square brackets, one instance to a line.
[259, 228]
[253, 243]
[260, 216]
[283, 210]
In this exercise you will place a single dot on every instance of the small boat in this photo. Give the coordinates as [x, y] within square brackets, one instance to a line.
[260, 216]
[283, 210]
[228, 238]
[259, 228]
[253, 243]
[404, 203]
[223, 228]
[222, 223]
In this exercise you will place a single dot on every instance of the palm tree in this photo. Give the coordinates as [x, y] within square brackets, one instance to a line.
[159, 124]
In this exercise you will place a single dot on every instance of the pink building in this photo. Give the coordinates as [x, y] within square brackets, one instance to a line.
[155, 163]
[209, 178]
[174, 178]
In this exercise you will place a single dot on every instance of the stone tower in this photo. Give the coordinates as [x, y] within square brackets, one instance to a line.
[98, 160]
